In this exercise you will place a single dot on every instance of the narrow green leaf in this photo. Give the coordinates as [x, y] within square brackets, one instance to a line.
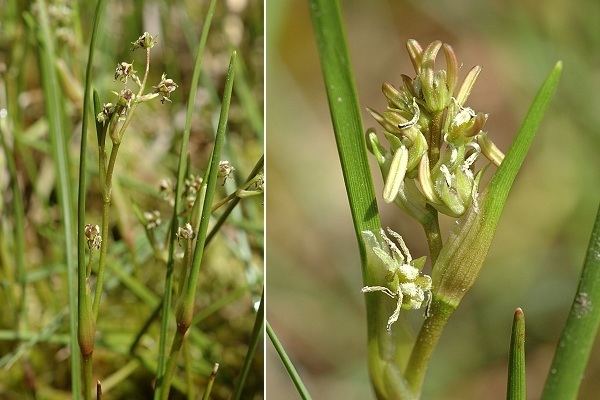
[181, 170]
[516, 387]
[53, 101]
[84, 311]
[351, 144]
[189, 294]
[345, 115]
[257, 330]
[581, 328]
[186, 306]
[287, 363]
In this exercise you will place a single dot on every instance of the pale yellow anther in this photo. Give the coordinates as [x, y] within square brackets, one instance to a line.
[425, 180]
[467, 86]
[395, 175]
[489, 149]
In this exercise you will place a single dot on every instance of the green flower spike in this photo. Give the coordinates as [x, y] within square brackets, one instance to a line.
[403, 279]
[434, 139]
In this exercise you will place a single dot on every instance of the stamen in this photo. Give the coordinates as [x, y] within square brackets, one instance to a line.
[400, 241]
[369, 289]
[415, 118]
[394, 317]
[447, 175]
[393, 247]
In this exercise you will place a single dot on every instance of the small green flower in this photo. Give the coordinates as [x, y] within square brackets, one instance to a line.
[108, 110]
[185, 232]
[403, 279]
[146, 41]
[433, 138]
[124, 71]
[153, 219]
[165, 87]
[225, 170]
[92, 234]
[126, 96]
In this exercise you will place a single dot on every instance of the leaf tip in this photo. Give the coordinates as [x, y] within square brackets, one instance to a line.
[519, 314]
[558, 66]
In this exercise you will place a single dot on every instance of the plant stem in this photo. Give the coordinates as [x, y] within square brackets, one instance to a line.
[581, 328]
[287, 363]
[189, 373]
[107, 188]
[256, 334]
[433, 234]
[181, 169]
[106, 200]
[185, 308]
[211, 381]
[429, 335]
[516, 387]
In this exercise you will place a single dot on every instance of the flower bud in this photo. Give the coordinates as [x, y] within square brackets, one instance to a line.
[124, 101]
[451, 68]
[415, 53]
[153, 219]
[375, 147]
[104, 116]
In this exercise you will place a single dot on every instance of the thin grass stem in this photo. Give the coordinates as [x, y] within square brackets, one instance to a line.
[257, 331]
[211, 381]
[287, 363]
[185, 308]
[181, 169]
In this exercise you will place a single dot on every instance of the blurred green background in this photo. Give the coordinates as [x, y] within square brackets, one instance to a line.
[314, 281]
[231, 277]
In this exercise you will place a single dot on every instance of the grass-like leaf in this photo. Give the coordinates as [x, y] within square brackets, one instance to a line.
[53, 101]
[181, 171]
[287, 363]
[351, 145]
[581, 328]
[257, 330]
[83, 303]
[185, 308]
[516, 388]
[345, 116]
